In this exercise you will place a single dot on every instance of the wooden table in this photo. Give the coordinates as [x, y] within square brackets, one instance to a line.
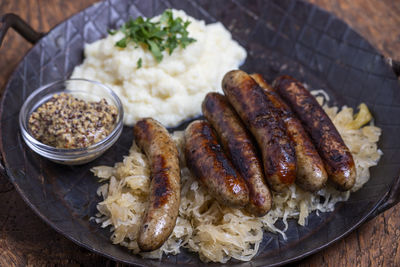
[26, 240]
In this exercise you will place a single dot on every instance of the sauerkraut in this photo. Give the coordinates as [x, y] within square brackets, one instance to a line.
[216, 232]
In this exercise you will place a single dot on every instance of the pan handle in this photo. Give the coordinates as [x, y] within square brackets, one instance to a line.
[19, 25]
[391, 199]
[396, 67]
[3, 172]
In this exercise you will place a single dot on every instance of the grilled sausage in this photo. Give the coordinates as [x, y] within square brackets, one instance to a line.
[206, 159]
[163, 206]
[262, 119]
[338, 160]
[238, 144]
[311, 174]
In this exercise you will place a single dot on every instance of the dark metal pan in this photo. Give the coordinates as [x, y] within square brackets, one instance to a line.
[281, 37]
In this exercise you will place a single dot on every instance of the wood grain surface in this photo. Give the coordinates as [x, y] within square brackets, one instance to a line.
[26, 240]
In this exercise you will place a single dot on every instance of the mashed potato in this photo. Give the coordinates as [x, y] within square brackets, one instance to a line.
[172, 90]
[216, 232]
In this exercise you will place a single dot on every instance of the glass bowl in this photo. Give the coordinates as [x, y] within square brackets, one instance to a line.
[82, 89]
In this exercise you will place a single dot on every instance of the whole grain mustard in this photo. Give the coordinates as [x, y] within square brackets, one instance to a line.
[67, 122]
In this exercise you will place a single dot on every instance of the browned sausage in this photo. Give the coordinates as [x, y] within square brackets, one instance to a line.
[311, 174]
[206, 159]
[338, 160]
[163, 206]
[263, 121]
[238, 144]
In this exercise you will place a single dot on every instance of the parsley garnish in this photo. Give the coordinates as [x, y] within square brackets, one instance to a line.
[139, 63]
[165, 35]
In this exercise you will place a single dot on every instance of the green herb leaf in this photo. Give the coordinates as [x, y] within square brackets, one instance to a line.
[139, 63]
[122, 43]
[165, 35]
[155, 50]
[112, 32]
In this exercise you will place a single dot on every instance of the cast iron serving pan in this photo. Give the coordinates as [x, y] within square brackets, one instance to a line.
[281, 37]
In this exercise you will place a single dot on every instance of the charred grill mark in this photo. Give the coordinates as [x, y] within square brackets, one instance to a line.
[330, 145]
[142, 130]
[233, 135]
[271, 166]
[261, 112]
[243, 163]
[204, 151]
[217, 150]
[258, 199]
[239, 146]
[211, 105]
[264, 121]
[161, 190]
[316, 122]
[283, 110]
[283, 82]
[222, 160]
[226, 165]
[336, 156]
